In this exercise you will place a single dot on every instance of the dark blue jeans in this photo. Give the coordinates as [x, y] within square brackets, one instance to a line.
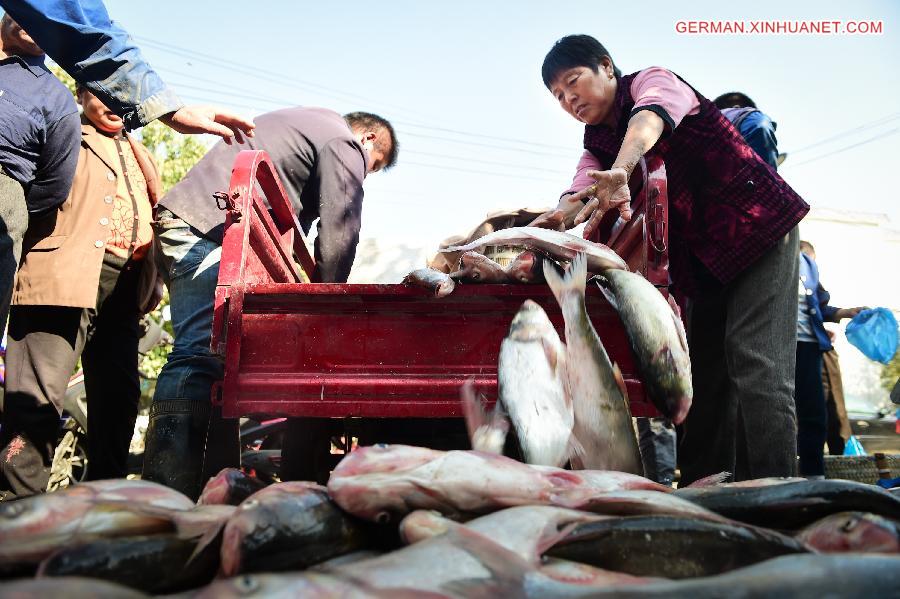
[812, 413]
[190, 265]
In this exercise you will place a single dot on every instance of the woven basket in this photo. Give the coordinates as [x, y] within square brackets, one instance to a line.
[859, 468]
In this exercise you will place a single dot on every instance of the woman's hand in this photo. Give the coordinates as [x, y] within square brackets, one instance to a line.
[562, 217]
[843, 313]
[609, 191]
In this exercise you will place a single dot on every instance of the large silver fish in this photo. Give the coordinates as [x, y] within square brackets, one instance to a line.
[384, 482]
[657, 337]
[531, 377]
[562, 246]
[603, 423]
[33, 527]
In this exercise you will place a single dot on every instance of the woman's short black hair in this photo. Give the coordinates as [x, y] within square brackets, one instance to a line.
[574, 51]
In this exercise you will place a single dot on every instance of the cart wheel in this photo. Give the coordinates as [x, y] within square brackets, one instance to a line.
[306, 450]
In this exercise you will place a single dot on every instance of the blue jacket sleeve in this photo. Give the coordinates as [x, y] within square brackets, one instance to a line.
[759, 132]
[824, 297]
[80, 37]
[56, 165]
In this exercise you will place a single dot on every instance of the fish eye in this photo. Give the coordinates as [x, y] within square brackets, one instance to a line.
[247, 584]
[249, 504]
[382, 517]
[850, 524]
[14, 509]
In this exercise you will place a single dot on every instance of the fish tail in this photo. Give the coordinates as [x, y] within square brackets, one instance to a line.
[712, 480]
[574, 279]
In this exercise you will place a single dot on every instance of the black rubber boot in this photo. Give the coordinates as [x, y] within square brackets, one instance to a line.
[174, 445]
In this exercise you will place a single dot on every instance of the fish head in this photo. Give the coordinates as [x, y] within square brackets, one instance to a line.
[372, 485]
[476, 267]
[38, 514]
[526, 267]
[671, 372]
[853, 532]
[307, 584]
[217, 490]
[531, 323]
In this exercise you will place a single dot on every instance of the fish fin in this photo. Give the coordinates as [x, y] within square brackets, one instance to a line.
[499, 420]
[620, 382]
[603, 285]
[574, 449]
[574, 279]
[208, 538]
[679, 324]
[554, 358]
[473, 410]
[572, 499]
[674, 305]
[710, 481]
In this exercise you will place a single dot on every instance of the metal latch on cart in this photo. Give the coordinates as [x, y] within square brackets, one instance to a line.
[227, 202]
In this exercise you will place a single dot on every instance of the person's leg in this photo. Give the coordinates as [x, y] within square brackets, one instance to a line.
[706, 442]
[760, 343]
[657, 442]
[110, 361]
[42, 350]
[811, 410]
[833, 437]
[13, 222]
[180, 413]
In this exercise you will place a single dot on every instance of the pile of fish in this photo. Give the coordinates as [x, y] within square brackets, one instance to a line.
[544, 247]
[402, 521]
[567, 401]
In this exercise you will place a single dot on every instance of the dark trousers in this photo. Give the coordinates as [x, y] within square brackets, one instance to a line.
[44, 345]
[812, 413]
[834, 439]
[13, 222]
[742, 338]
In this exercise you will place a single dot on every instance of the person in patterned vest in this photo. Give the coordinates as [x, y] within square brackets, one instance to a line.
[86, 279]
[733, 248]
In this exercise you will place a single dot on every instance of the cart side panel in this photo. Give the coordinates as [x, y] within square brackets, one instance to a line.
[386, 350]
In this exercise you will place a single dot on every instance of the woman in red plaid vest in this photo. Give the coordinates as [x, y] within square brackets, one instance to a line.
[733, 247]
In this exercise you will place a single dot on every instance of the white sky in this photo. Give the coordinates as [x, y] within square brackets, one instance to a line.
[478, 131]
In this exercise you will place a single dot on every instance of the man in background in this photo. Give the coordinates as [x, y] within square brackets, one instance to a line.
[322, 160]
[757, 129]
[80, 293]
[39, 137]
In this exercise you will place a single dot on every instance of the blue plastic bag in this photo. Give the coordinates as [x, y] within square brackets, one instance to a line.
[874, 333]
[854, 447]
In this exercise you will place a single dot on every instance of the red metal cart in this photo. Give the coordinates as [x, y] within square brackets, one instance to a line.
[383, 351]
